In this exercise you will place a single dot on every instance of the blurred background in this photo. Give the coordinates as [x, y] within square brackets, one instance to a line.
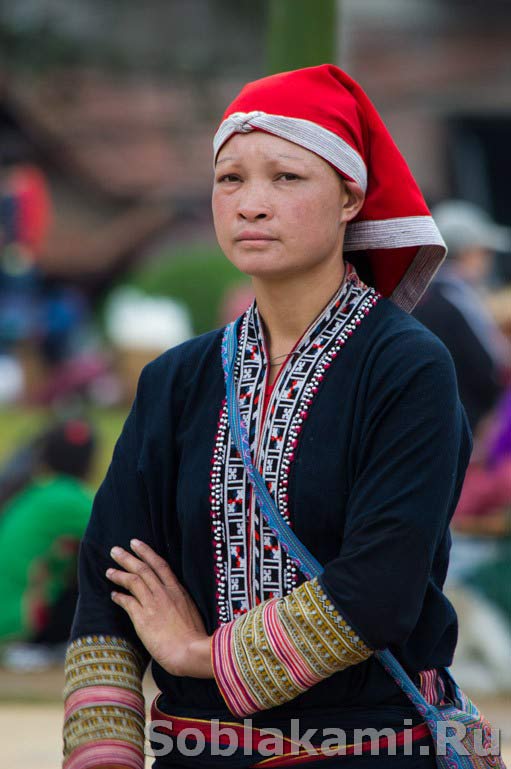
[108, 258]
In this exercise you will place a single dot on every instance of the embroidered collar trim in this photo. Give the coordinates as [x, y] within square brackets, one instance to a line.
[250, 565]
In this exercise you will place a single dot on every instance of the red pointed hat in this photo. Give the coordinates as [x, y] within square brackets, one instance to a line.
[397, 246]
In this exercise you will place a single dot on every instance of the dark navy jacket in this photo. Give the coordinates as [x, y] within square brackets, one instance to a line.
[372, 489]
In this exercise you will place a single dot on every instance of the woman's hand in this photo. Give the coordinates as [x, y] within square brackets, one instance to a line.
[163, 614]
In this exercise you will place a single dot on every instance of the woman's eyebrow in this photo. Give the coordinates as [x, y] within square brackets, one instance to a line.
[269, 159]
[291, 157]
[229, 159]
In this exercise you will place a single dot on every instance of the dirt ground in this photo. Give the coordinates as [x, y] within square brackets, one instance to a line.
[31, 719]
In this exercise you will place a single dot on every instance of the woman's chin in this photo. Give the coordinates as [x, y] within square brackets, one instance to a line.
[262, 271]
[259, 265]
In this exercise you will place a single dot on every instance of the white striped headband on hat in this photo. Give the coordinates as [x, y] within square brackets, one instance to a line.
[307, 134]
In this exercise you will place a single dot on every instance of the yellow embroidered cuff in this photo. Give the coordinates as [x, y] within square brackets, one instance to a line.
[281, 648]
[104, 715]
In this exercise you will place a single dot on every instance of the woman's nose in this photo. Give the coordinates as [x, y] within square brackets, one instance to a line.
[251, 215]
[252, 205]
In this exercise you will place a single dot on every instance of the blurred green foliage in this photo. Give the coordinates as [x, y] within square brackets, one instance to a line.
[301, 33]
[197, 275]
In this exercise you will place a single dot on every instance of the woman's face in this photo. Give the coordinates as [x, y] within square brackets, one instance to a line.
[279, 210]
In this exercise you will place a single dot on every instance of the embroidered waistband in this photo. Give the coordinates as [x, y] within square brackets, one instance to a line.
[253, 743]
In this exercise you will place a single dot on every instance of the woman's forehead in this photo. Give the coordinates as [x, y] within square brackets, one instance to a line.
[264, 146]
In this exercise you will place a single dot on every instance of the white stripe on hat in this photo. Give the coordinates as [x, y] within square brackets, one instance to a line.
[392, 233]
[399, 233]
[419, 275]
[303, 132]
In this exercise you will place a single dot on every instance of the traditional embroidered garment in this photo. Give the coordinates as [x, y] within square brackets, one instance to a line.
[364, 445]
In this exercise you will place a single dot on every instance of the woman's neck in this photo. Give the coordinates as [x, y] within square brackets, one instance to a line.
[288, 307]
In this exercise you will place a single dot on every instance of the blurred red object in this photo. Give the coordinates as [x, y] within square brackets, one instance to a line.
[485, 491]
[235, 301]
[28, 185]
[71, 377]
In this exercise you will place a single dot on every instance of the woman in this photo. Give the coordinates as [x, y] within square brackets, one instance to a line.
[356, 425]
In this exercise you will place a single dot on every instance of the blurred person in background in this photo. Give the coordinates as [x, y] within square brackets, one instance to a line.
[19, 468]
[479, 580]
[41, 321]
[454, 306]
[40, 531]
[25, 220]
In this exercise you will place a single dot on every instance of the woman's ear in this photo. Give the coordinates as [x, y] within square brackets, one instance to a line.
[353, 200]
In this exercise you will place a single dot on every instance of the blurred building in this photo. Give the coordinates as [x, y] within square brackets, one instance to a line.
[104, 194]
[440, 74]
[194, 38]
[119, 103]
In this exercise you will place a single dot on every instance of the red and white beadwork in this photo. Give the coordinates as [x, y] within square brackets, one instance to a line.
[250, 565]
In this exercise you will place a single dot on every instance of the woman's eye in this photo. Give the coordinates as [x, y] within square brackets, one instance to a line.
[288, 177]
[229, 178]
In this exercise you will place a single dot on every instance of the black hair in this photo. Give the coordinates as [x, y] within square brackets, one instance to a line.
[68, 448]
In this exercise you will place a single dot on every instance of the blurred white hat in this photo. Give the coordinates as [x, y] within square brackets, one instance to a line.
[12, 380]
[138, 321]
[466, 225]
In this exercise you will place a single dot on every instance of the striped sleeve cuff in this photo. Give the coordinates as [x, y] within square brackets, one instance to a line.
[104, 712]
[281, 648]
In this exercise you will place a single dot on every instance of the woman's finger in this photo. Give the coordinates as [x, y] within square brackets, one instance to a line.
[127, 602]
[132, 582]
[173, 587]
[134, 565]
[158, 564]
